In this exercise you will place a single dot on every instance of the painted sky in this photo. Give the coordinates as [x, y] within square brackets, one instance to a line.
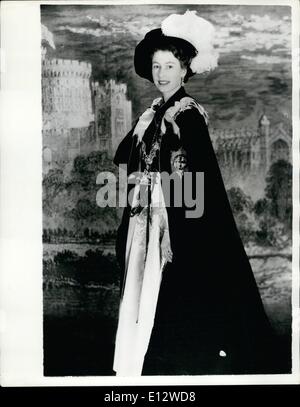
[254, 42]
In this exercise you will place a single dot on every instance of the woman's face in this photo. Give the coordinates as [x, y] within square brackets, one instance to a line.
[167, 73]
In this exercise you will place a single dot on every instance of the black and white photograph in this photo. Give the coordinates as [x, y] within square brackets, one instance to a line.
[167, 144]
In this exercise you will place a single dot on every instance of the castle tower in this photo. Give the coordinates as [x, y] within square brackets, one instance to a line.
[66, 91]
[121, 112]
[113, 114]
[101, 106]
[67, 105]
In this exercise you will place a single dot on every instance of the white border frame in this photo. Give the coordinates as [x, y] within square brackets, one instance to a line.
[21, 312]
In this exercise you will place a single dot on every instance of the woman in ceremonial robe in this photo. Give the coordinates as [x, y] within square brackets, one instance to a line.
[189, 301]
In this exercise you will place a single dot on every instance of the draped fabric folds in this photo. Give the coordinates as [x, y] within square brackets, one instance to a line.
[144, 267]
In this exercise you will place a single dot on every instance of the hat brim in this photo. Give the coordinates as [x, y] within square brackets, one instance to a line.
[155, 39]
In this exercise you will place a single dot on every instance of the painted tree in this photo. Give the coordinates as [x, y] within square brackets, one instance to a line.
[242, 208]
[279, 191]
[239, 201]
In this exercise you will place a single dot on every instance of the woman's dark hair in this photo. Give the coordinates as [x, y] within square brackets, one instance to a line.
[182, 50]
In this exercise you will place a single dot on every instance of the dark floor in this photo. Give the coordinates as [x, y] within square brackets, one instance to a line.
[80, 346]
[84, 346]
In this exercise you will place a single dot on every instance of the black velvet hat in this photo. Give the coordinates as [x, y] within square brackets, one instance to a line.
[156, 40]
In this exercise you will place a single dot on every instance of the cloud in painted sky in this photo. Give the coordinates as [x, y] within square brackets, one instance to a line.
[253, 33]
[235, 32]
[106, 27]
[97, 32]
[258, 23]
[97, 20]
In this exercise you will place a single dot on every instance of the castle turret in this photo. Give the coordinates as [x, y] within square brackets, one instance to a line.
[101, 108]
[66, 92]
[264, 124]
[264, 133]
[67, 106]
[79, 115]
[113, 114]
[120, 113]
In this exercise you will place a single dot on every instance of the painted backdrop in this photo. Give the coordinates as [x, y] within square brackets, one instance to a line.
[90, 97]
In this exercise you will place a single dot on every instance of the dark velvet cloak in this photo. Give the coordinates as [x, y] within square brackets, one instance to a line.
[208, 301]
